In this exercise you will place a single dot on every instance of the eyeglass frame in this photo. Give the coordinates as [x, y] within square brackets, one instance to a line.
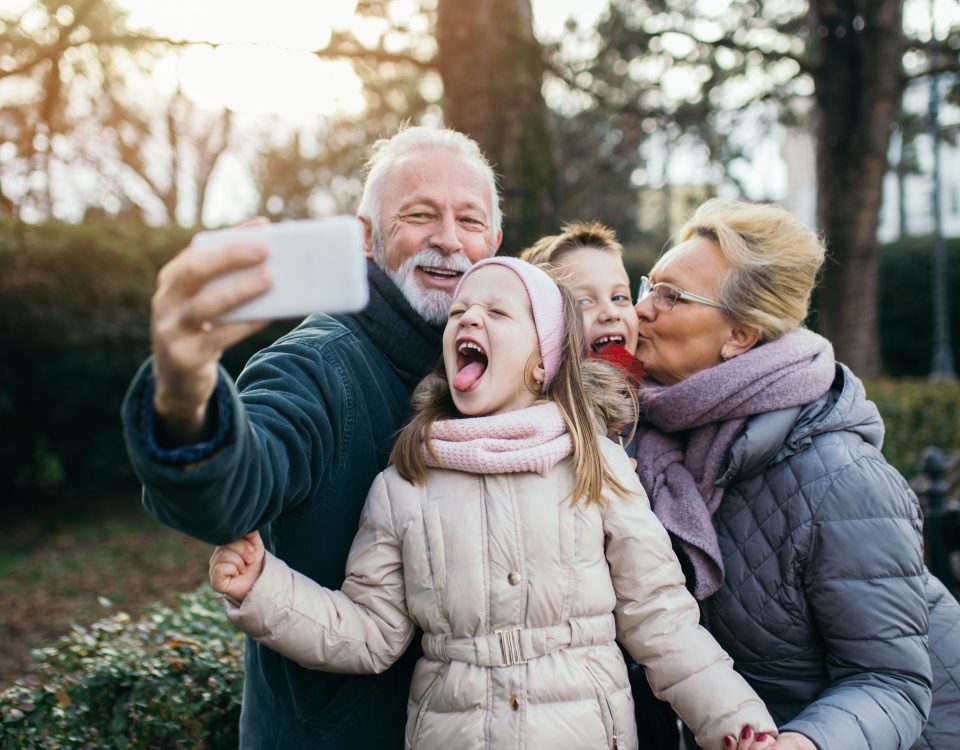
[646, 289]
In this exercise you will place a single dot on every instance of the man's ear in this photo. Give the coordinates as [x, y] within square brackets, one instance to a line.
[496, 245]
[367, 236]
[742, 339]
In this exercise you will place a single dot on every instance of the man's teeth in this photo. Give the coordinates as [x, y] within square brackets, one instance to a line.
[441, 271]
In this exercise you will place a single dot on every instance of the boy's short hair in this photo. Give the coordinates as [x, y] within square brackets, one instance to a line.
[575, 236]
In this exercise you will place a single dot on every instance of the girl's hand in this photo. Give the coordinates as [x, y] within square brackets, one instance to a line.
[235, 567]
[750, 740]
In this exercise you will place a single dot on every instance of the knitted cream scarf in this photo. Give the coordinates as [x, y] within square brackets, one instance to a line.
[530, 439]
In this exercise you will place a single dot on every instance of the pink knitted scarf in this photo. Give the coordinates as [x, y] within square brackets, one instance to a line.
[530, 439]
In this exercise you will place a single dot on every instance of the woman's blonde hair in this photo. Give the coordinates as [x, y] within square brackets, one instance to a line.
[576, 236]
[774, 260]
[589, 393]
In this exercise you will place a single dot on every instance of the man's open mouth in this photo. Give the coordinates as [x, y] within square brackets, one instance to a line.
[471, 364]
[441, 273]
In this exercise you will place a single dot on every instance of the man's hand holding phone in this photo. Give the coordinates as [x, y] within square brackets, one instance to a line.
[230, 283]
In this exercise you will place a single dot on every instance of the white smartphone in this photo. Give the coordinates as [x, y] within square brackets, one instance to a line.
[318, 265]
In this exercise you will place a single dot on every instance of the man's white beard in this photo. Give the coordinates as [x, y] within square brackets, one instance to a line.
[431, 304]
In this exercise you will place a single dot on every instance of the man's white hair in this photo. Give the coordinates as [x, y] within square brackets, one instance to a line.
[388, 151]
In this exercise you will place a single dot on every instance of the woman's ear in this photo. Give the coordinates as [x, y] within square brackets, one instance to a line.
[742, 339]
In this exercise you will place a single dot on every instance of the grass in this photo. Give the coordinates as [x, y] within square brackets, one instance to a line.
[78, 568]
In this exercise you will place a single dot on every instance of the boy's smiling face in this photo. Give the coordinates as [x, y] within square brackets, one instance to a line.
[602, 290]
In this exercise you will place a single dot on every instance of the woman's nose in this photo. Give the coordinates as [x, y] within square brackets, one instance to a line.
[645, 309]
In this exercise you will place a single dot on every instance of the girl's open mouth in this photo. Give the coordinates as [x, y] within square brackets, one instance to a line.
[471, 364]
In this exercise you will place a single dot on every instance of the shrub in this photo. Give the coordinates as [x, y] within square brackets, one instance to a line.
[75, 303]
[905, 305]
[171, 680]
[917, 414]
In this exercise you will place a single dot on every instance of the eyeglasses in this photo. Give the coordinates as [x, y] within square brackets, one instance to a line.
[665, 295]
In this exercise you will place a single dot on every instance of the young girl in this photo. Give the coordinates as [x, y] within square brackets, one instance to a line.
[522, 544]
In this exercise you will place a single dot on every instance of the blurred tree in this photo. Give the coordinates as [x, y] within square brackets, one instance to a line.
[857, 69]
[76, 118]
[492, 69]
[317, 169]
[479, 60]
[722, 74]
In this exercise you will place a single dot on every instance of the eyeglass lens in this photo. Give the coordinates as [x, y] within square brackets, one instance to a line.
[664, 296]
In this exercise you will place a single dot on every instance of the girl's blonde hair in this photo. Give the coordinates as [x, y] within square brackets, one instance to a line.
[589, 393]
[575, 236]
[774, 259]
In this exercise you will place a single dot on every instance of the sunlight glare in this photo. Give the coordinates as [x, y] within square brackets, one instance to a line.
[260, 60]
[265, 80]
[283, 23]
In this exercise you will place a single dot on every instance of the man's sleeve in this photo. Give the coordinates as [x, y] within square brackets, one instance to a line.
[272, 448]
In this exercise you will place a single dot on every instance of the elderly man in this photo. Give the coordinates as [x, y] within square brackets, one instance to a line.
[293, 447]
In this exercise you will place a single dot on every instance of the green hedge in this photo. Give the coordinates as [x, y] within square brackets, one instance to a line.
[906, 305]
[917, 414]
[171, 680]
[74, 306]
[73, 300]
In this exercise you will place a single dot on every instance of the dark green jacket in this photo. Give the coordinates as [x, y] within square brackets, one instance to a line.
[308, 426]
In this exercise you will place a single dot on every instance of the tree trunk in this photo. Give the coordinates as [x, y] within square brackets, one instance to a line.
[859, 87]
[492, 70]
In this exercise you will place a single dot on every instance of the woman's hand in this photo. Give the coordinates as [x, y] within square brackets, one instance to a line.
[750, 740]
[235, 567]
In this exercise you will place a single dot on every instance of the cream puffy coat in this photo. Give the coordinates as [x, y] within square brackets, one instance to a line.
[520, 597]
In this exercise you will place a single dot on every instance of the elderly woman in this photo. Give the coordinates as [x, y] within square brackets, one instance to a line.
[761, 455]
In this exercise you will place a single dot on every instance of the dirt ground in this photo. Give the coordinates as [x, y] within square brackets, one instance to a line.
[52, 574]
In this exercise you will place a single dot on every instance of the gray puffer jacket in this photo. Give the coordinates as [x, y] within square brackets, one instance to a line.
[825, 601]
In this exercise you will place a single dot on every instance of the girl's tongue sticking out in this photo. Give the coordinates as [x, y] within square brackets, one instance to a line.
[471, 364]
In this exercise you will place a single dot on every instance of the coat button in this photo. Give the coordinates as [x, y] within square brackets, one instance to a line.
[514, 702]
[514, 578]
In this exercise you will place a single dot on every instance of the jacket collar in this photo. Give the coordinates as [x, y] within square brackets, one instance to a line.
[410, 344]
[776, 435]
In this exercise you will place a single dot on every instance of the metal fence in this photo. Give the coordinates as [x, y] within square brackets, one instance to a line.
[939, 485]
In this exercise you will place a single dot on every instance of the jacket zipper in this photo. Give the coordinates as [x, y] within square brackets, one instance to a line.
[424, 704]
[604, 700]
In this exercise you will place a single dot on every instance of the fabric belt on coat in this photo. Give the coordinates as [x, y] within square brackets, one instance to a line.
[511, 646]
